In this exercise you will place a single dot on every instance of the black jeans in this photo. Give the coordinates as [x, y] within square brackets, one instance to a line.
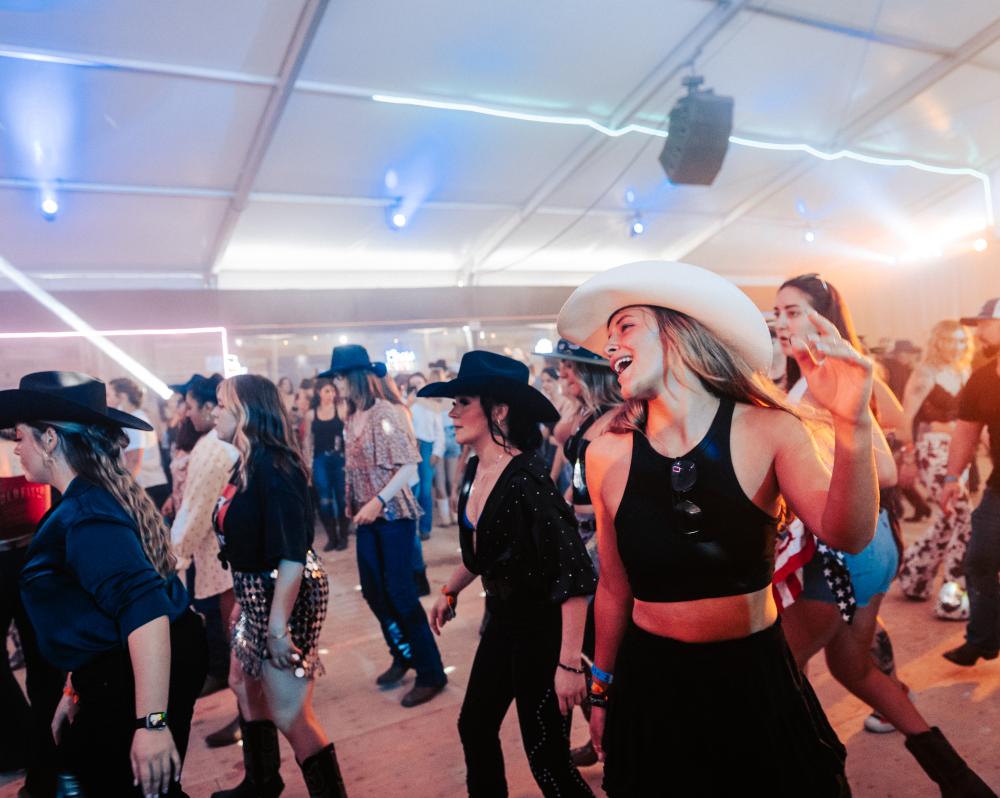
[516, 661]
[25, 738]
[982, 562]
[98, 742]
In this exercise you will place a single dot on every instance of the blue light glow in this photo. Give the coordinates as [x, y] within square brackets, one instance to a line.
[741, 141]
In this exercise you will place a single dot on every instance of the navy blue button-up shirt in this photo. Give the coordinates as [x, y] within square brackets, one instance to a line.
[87, 583]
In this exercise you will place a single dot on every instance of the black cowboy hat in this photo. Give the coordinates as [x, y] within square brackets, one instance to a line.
[990, 310]
[499, 377]
[905, 346]
[62, 396]
[351, 356]
[567, 350]
[183, 387]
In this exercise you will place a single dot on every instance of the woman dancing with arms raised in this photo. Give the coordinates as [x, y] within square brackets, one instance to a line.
[687, 488]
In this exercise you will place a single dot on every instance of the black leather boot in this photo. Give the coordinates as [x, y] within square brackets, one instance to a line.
[343, 530]
[321, 772]
[332, 533]
[945, 767]
[261, 761]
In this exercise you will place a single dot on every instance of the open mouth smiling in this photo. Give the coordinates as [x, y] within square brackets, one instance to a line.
[621, 364]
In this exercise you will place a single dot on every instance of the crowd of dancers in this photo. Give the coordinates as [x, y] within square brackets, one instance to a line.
[685, 506]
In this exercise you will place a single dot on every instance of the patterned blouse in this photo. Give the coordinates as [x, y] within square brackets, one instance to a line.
[378, 441]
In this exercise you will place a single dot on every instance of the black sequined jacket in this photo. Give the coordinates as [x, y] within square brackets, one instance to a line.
[525, 545]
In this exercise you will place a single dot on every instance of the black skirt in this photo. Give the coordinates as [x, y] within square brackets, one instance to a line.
[735, 717]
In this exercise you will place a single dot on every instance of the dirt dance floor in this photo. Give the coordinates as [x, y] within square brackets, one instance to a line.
[388, 751]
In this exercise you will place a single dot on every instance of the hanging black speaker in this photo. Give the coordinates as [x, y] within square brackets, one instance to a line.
[700, 125]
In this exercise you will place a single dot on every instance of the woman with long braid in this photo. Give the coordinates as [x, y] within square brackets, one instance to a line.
[100, 587]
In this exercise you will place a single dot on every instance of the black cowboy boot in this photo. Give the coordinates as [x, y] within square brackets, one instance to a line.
[945, 767]
[261, 761]
[332, 533]
[321, 772]
[343, 530]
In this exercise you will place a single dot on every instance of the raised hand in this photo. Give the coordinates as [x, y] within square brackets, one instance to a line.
[839, 378]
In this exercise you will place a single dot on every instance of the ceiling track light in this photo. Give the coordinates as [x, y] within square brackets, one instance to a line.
[636, 226]
[49, 208]
[395, 216]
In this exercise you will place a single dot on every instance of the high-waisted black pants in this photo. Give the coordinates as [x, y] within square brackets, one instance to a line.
[98, 742]
[516, 661]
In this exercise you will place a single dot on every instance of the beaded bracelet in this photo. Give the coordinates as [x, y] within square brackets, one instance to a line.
[602, 676]
[571, 669]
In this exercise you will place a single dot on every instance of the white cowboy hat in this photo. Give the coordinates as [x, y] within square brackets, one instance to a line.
[705, 296]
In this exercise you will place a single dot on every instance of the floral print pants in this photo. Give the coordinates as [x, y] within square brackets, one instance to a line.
[948, 536]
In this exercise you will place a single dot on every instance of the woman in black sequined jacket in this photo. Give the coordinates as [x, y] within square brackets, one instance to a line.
[521, 537]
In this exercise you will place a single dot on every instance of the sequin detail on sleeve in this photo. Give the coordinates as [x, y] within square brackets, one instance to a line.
[566, 566]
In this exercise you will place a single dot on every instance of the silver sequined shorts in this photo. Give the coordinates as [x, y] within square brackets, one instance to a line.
[255, 591]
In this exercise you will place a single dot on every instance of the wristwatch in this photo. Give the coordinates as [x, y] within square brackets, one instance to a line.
[154, 720]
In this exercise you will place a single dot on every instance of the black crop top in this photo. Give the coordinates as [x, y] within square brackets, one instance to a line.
[575, 450]
[728, 552]
[939, 405]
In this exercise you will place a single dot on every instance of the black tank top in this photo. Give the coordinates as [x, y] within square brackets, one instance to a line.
[328, 436]
[728, 551]
[939, 405]
[575, 450]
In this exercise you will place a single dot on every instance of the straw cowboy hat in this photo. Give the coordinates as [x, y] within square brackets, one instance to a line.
[703, 295]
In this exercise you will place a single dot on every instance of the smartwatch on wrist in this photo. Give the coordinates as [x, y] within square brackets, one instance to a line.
[156, 721]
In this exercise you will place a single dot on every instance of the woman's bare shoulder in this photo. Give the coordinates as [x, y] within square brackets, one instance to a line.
[766, 423]
[609, 448]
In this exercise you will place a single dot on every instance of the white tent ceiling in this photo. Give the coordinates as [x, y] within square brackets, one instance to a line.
[236, 143]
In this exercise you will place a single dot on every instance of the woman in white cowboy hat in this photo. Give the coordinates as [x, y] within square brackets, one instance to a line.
[687, 488]
[100, 588]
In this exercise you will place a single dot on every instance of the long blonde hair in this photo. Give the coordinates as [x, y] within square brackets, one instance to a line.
[722, 370]
[598, 385]
[935, 356]
[262, 423]
[94, 453]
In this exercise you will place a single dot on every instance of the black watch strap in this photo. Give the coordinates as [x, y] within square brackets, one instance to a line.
[154, 720]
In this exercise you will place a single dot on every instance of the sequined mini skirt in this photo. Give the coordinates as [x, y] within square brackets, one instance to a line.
[255, 591]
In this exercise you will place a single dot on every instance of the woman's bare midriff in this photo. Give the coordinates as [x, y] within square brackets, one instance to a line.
[707, 620]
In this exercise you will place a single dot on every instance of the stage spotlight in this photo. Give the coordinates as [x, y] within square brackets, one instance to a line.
[636, 227]
[49, 208]
[980, 245]
[809, 236]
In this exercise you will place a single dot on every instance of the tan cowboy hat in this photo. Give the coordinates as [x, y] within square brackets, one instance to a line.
[703, 295]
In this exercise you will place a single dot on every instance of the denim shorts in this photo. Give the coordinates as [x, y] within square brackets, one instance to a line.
[872, 570]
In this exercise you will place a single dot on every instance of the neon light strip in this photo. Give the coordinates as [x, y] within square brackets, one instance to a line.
[878, 161]
[130, 364]
[549, 119]
[76, 334]
[580, 121]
